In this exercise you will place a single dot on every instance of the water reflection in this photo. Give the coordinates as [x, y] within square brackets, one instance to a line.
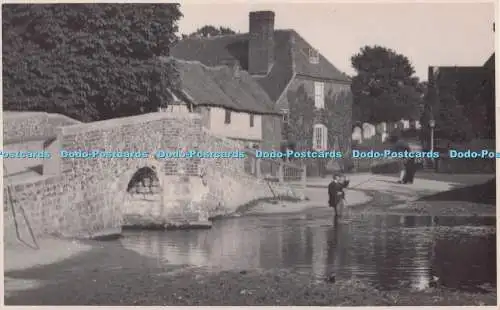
[389, 251]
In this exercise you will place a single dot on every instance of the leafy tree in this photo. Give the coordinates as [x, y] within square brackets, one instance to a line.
[210, 31]
[384, 88]
[88, 61]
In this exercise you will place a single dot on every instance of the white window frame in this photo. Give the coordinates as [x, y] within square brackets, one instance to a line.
[320, 137]
[319, 95]
[313, 56]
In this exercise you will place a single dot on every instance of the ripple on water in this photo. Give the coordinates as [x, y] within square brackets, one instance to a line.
[388, 251]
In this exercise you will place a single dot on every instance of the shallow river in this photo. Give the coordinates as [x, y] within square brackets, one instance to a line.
[388, 251]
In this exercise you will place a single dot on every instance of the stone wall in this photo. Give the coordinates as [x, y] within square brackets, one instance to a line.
[87, 196]
[230, 185]
[19, 125]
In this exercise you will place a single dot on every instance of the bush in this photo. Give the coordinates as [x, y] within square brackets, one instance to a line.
[392, 166]
[347, 164]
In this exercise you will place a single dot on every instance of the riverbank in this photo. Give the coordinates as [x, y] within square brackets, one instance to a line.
[387, 204]
[316, 198]
[112, 275]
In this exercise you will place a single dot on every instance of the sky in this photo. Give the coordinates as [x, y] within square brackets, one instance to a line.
[439, 34]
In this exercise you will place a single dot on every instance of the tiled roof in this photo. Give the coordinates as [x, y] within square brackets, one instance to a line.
[218, 87]
[323, 70]
[291, 56]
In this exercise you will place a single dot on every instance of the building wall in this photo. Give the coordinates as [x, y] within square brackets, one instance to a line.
[239, 128]
[271, 132]
[337, 116]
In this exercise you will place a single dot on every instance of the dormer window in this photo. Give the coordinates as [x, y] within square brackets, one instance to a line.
[286, 115]
[313, 56]
[236, 71]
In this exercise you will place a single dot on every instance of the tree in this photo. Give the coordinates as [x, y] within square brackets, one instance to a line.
[210, 31]
[88, 61]
[384, 88]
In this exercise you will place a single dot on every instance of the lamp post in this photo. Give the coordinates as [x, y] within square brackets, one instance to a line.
[432, 124]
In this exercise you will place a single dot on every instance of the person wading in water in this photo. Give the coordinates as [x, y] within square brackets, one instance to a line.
[336, 193]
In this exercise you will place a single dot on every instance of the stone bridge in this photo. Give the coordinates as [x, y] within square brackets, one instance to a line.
[85, 198]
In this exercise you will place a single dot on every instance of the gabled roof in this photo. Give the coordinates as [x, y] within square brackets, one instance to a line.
[323, 70]
[218, 87]
[291, 56]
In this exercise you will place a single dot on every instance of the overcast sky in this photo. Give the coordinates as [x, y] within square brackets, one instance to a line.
[428, 34]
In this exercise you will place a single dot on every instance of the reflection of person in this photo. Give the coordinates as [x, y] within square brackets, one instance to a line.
[336, 193]
[334, 252]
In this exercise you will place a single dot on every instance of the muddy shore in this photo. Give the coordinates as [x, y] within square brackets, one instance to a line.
[387, 204]
[112, 275]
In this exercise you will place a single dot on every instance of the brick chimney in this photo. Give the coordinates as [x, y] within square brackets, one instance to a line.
[261, 42]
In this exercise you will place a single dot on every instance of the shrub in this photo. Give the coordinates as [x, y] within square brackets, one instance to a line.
[390, 166]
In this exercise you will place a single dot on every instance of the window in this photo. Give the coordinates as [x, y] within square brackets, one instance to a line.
[320, 137]
[286, 119]
[285, 114]
[227, 119]
[319, 95]
[251, 120]
[313, 56]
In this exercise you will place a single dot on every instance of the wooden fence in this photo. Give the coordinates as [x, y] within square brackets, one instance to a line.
[274, 169]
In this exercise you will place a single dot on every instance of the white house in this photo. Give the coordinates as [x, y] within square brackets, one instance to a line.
[231, 103]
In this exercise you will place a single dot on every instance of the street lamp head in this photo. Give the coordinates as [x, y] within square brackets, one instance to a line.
[432, 123]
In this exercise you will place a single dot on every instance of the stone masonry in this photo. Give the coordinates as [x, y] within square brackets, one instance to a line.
[87, 197]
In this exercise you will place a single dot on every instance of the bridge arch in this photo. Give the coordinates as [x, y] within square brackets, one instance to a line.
[144, 181]
[124, 180]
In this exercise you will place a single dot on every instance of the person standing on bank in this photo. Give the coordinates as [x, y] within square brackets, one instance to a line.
[410, 169]
[408, 165]
[336, 195]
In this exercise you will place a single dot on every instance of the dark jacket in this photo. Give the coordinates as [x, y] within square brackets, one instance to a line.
[335, 193]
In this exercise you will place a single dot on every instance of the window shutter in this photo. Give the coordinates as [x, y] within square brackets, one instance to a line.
[315, 137]
[325, 138]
